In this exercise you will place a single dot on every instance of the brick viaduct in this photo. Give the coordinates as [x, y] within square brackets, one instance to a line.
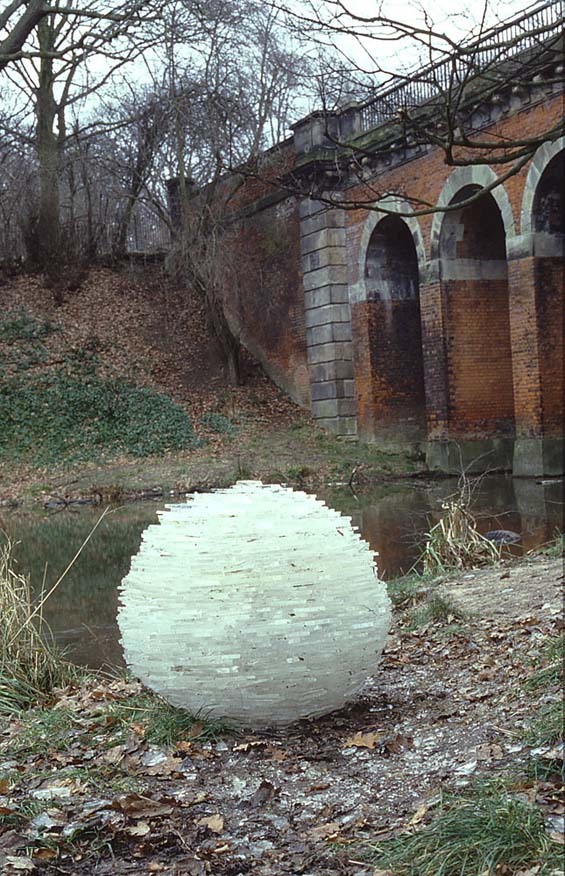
[443, 331]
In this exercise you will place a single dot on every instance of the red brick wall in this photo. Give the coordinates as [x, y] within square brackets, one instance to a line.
[266, 300]
[525, 359]
[479, 358]
[550, 285]
[389, 365]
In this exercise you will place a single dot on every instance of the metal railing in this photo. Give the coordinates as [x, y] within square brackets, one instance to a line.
[530, 30]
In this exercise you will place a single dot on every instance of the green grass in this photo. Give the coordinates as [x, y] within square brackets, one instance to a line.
[31, 665]
[163, 724]
[81, 415]
[550, 672]
[547, 726]
[41, 730]
[408, 589]
[23, 812]
[477, 833]
[76, 410]
[20, 325]
[435, 609]
[553, 549]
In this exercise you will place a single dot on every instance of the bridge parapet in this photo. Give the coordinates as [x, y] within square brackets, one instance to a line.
[513, 57]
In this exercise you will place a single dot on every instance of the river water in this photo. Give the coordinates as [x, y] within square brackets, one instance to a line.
[392, 517]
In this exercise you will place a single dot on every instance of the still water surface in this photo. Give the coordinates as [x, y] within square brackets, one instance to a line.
[392, 517]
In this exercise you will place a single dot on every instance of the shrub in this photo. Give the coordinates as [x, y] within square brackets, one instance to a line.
[77, 414]
[22, 326]
[218, 423]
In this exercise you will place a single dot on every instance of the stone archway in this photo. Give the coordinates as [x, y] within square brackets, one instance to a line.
[389, 372]
[471, 250]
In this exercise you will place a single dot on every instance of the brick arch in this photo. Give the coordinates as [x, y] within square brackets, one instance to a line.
[476, 175]
[386, 322]
[391, 205]
[542, 157]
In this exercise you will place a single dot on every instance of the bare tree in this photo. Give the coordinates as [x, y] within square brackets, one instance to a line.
[54, 78]
[438, 99]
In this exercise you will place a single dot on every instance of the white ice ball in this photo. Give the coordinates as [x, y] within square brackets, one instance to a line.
[255, 603]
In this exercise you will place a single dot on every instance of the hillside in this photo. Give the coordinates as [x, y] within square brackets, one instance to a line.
[130, 328]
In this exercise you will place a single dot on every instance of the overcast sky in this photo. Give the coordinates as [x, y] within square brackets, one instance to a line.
[458, 19]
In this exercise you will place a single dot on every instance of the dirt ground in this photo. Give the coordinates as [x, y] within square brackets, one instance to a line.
[445, 709]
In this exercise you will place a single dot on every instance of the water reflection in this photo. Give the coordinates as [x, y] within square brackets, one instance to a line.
[392, 517]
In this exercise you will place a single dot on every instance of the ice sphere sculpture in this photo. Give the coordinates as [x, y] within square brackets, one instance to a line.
[255, 603]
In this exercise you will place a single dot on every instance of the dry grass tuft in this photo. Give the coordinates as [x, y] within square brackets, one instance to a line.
[31, 665]
[454, 542]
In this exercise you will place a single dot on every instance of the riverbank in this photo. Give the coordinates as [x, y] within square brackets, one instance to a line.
[300, 455]
[467, 702]
[119, 392]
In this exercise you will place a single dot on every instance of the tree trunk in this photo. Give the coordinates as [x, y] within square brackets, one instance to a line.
[48, 229]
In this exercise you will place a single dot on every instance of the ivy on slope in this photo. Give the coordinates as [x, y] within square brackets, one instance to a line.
[72, 412]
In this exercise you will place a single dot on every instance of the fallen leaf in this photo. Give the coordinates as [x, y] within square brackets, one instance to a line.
[196, 730]
[221, 850]
[245, 746]
[419, 814]
[275, 753]
[263, 794]
[215, 823]
[139, 829]
[184, 747]
[45, 854]
[327, 831]
[112, 755]
[362, 740]
[20, 865]
[398, 743]
[136, 806]
[489, 751]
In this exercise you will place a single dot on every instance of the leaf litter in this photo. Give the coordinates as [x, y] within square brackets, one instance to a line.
[445, 709]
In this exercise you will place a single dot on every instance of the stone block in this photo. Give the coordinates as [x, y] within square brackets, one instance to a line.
[326, 371]
[329, 313]
[330, 352]
[311, 207]
[325, 334]
[471, 456]
[325, 276]
[317, 298]
[342, 331]
[334, 407]
[333, 294]
[338, 388]
[327, 237]
[332, 218]
[345, 427]
[322, 391]
[322, 258]
[534, 457]
[319, 334]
